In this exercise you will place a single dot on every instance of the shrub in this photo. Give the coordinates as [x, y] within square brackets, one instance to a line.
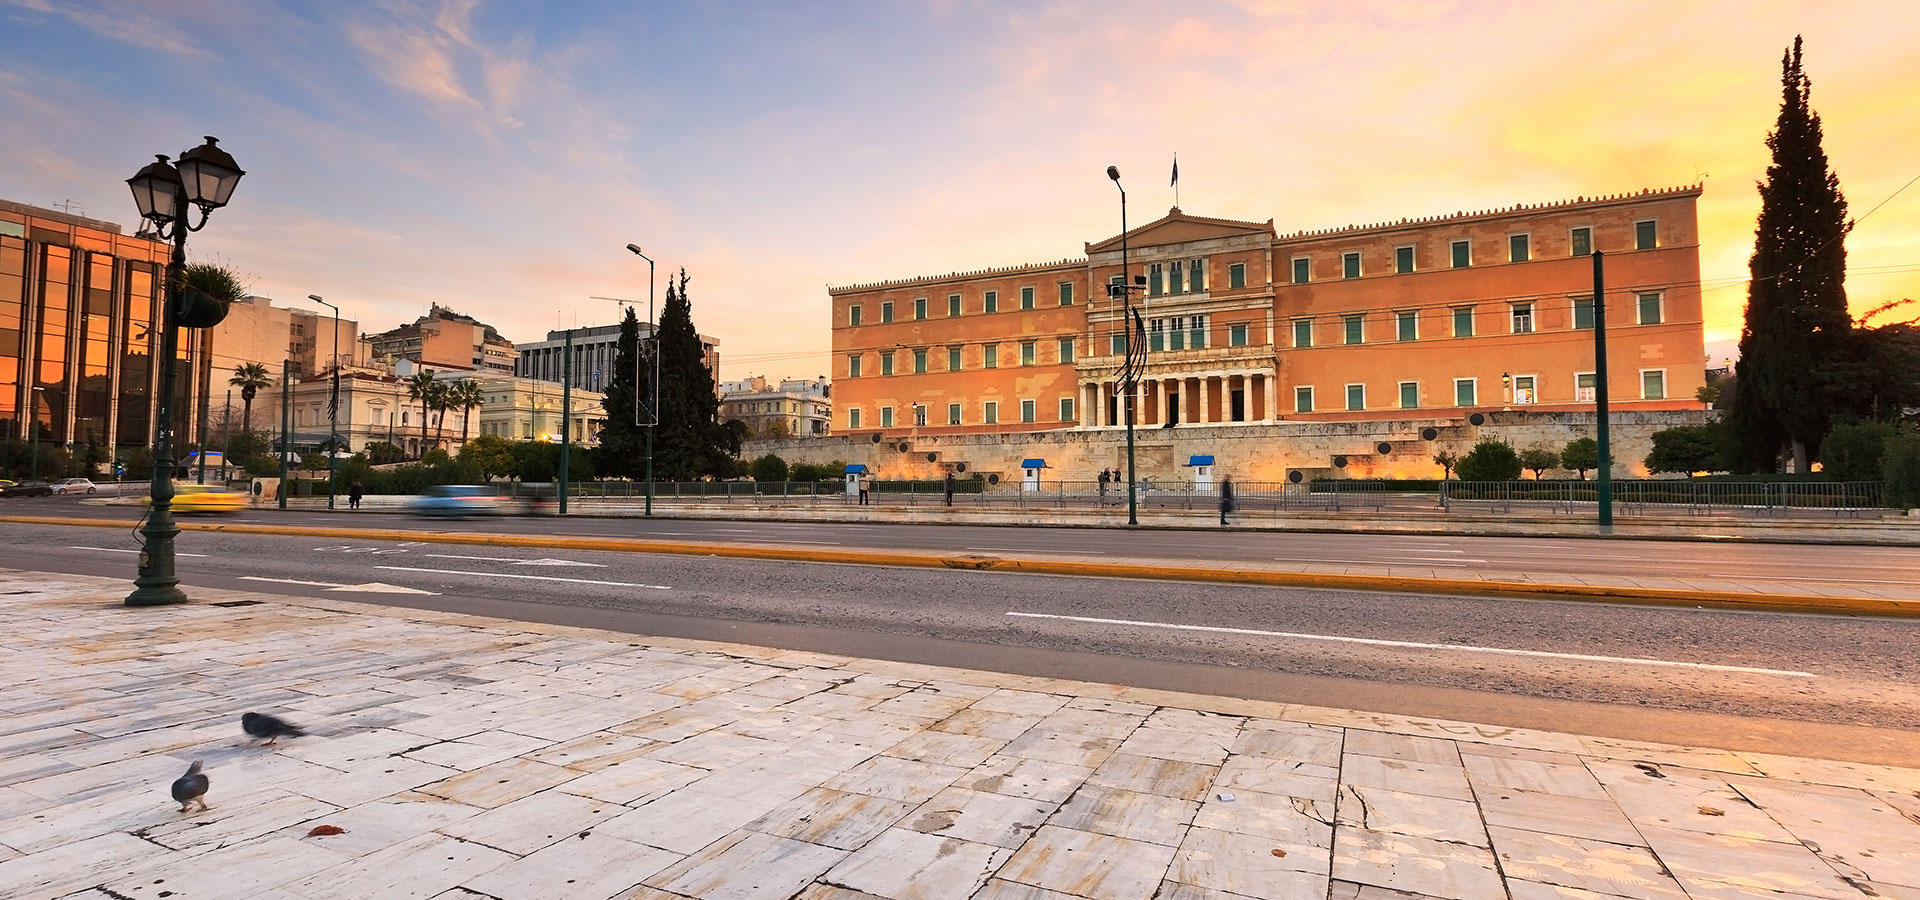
[1538, 460]
[1447, 460]
[769, 468]
[1490, 460]
[1580, 455]
[1685, 449]
[1900, 469]
[1854, 451]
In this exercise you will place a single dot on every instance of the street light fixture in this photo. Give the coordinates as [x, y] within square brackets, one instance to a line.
[1134, 364]
[653, 381]
[333, 402]
[205, 177]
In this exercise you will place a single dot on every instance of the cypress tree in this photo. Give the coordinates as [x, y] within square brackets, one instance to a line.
[1796, 320]
[690, 441]
[622, 443]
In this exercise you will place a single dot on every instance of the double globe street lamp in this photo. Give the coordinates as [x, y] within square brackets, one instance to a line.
[204, 177]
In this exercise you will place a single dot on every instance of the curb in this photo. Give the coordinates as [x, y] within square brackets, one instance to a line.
[1676, 597]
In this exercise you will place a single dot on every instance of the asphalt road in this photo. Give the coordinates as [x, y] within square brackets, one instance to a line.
[1443, 554]
[1828, 686]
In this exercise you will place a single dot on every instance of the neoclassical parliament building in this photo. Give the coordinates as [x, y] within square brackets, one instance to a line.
[1435, 317]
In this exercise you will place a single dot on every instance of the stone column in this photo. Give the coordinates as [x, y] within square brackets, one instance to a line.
[1272, 385]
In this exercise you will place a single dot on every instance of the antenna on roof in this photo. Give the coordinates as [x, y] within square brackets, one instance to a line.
[68, 207]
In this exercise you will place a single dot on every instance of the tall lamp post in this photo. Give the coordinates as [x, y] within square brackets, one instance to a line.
[333, 401]
[204, 177]
[653, 379]
[33, 425]
[1135, 363]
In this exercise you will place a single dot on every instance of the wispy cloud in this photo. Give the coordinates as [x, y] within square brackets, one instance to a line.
[121, 23]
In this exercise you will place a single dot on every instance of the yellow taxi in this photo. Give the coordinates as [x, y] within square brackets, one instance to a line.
[205, 498]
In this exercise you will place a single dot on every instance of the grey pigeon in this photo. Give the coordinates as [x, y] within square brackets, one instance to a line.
[191, 788]
[261, 725]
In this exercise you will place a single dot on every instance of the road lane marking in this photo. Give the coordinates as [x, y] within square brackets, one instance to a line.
[1405, 563]
[1031, 550]
[371, 587]
[324, 584]
[1417, 645]
[657, 587]
[124, 550]
[792, 541]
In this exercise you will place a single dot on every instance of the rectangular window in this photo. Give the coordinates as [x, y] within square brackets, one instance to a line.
[1581, 240]
[1523, 389]
[1303, 332]
[953, 414]
[1197, 336]
[1026, 298]
[1117, 343]
[1303, 399]
[1407, 325]
[1066, 350]
[1582, 312]
[853, 366]
[1066, 293]
[1356, 328]
[1646, 235]
[1583, 386]
[991, 409]
[886, 363]
[1356, 396]
[886, 417]
[1519, 248]
[1237, 275]
[1028, 353]
[1302, 269]
[990, 356]
[1196, 275]
[1653, 384]
[1466, 391]
[1350, 264]
[920, 308]
[1156, 335]
[992, 301]
[1237, 335]
[953, 304]
[1523, 318]
[919, 416]
[853, 418]
[1650, 309]
[1027, 413]
[1156, 280]
[886, 312]
[919, 362]
[953, 359]
[1176, 279]
[853, 315]
[1176, 333]
[1066, 410]
[1462, 254]
[1463, 321]
[1403, 259]
[1409, 395]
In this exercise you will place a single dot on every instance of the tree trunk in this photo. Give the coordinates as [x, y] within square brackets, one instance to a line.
[1799, 457]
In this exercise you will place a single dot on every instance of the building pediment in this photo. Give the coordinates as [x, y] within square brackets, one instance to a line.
[1177, 227]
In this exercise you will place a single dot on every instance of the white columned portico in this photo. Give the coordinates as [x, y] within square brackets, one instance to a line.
[1206, 412]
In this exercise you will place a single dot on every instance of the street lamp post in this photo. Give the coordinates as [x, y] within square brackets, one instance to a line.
[653, 379]
[204, 177]
[33, 425]
[333, 401]
[1134, 365]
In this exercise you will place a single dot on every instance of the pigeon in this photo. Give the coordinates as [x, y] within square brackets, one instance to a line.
[261, 725]
[191, 788]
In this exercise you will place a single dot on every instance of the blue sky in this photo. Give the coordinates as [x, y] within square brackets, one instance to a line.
[496, 157]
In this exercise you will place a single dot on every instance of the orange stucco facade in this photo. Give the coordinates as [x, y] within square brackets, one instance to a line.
[1442, 316]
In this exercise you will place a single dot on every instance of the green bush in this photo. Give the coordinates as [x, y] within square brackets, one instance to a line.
[769, 468]
[1853, 451]
[1490, 460]
[1900, 469]
[1684, 450]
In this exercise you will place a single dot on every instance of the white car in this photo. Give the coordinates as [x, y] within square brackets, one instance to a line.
[74, 486]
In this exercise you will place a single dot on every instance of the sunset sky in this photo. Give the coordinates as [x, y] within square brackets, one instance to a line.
[496, 157]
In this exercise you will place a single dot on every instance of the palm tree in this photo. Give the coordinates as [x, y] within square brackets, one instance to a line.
[249, 378]
[467, 396]
[442, 400]
[422, 388]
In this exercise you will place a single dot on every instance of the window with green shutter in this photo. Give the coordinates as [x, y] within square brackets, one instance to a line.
[853, 315]
[1403, 259]
[953, 414]
[1303, 332]
[1302, 269]
[920, 308]
[1303, 399]
[853, 418]
[1066, 293]
[1066, 410]
[1463, 321]
[920, 362]
[1407, 325]
[1196, 275]
[1519, 247]
[1026, 298]
[1466, 392]
[993, 301]
[1237, 335]
[1237, 275]
[853, 366]
[1176, 279]
[1645, 235]
[1582, 241]
[1409, 395]
[1462, 254]
[1117, 344]
[886, 363]
[1066, 350]
[953, 359]
[1027, 353]
[953, 304]
[1027, 413]
[1356, 328]
[1356, 397]
[990, 357]
[1650, 309]
[991, 409]
[1653, 384]
[1582, 312]
[886, 312]
[886, 417]
[1350, 265]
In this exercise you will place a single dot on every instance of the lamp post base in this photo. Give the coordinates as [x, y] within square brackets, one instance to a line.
[156, 594]
[157, 583]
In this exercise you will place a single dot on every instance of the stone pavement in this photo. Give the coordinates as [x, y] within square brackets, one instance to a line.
[463, 757]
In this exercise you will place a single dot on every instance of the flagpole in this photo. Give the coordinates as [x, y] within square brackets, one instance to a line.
[1176, 181]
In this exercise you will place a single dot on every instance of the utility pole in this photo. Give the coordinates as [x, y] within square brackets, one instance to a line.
[286, 425]
[1600, 392]
[566, 416]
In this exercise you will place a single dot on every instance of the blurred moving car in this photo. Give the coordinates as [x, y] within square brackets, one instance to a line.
[456, 500]
[74, 486]
[205, 498]
[27, 489]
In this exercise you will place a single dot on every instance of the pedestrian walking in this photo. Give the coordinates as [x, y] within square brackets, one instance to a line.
[866, 486]
[1226, 499]
[354, 493]
[1106, 478]
[948, 484]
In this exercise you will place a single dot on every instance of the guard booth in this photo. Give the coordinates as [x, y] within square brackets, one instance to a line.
[1202, 467]
[1031, 468]
[853, 474]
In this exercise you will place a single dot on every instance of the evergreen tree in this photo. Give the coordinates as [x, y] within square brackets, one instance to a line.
[1796, 322]
[690, 440]
[623, 443]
